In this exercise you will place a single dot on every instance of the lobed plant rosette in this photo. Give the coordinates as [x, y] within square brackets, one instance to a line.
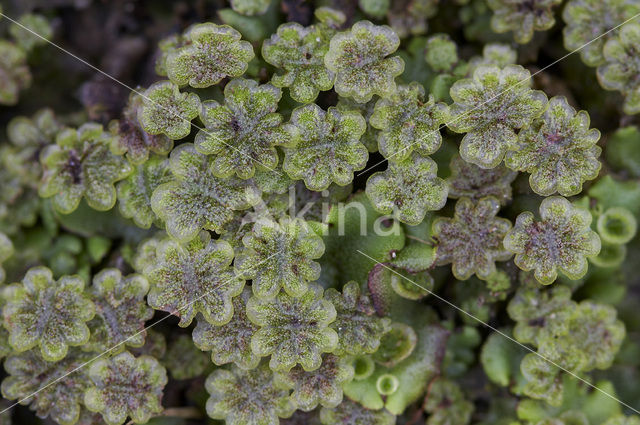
[243, 132]
[280, 255]
[81, 165]
[472, 240]
[490, 108]
[41, 312]
[209, 53]
[359, 59]
[620, 69]
[327, 147]
[195, 277]
[125, 386]
[559, 150]
[195, 199]
[408, 189]
[561, 241]
[293, 330]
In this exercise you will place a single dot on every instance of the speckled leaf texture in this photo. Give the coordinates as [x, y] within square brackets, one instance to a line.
[194, 277]
[293, 330]
[561, 241]
[360, 60]
[586, 19]
[243, 132]
[621, 70]
[542, 379]
[166, 110]
[247, 397]
[522, 17]
[195, 198]
[125, 386]
[131, 139]
[134, 192]
[43, 386]
[210, 53]
[530, 306]
[298, 53]
[441, 53]
[322, 386]
[559, 150]
[489, 108]
[408, 189]
[472, 240]
[121, 311]
[41, 312]
[79, 165]
[289, 203]
[280, 254]
[469, 180]
[231, 342]
[328, 147]
[577, 337]
[587, 338]
[408, 122]
[357, 323]
[370, 136]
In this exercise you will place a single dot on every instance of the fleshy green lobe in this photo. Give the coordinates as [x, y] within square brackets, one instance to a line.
[195, 198]
[48, 314]
[472, 240]
[195, 277]
[586, 19]
[489, 108]
[358, 326]
[280, 255]
[121, 311]
[79, 165]
[469, 180]
[408, 122]
[299, 52]
[131, 139]
[352, 413]
[360, 59]
[293, 330]
[166, 110]
[231, 342]
[125, 386]
[559, 150]
[244, 130]
[561, 241]
[322, 386]
[210, 53]
[247, 397]
[621, 70]
[522, 17]
[328, 147]
[408, 189]
[43, 385]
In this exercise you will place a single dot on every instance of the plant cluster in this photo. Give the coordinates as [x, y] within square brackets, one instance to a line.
[265, 233]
